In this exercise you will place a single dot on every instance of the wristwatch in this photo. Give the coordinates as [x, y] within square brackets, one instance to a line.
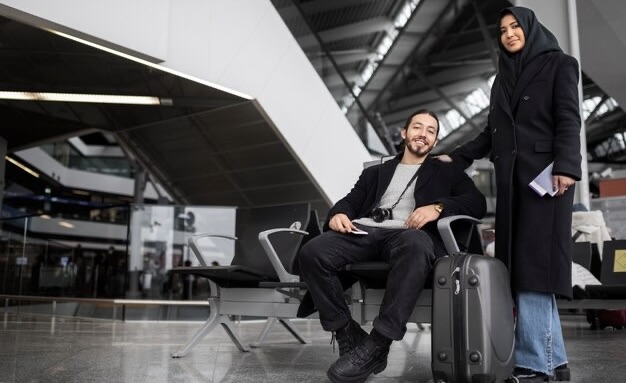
[438, 207]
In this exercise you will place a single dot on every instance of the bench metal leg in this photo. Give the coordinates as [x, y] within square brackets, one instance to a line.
[268, 325]
[213, 320]
[357, 305]
[294, 331]
[227, 325]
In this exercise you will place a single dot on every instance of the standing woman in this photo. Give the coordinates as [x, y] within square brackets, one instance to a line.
[534, 120]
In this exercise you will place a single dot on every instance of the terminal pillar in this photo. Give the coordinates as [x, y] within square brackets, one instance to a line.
[3, 153]
[135, 257]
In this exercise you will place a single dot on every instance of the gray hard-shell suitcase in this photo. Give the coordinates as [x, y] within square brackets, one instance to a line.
[473, 326]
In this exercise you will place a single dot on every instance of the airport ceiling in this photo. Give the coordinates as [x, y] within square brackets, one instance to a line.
[443, 53]
[193, 143]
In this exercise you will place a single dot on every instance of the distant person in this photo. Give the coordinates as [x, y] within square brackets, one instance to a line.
[35, 273]
[534, 121]
[82, 279]
[103, 263]
[188, 281]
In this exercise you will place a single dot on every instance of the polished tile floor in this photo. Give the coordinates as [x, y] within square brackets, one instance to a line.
[45, 349]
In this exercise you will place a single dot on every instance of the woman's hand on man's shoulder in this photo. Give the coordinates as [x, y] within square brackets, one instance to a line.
[444, 158]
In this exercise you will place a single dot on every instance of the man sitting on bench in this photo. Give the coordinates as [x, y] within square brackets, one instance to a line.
[389, 215]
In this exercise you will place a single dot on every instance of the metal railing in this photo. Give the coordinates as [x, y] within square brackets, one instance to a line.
[118, 308]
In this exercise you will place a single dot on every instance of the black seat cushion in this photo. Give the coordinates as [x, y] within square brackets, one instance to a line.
[227, 276]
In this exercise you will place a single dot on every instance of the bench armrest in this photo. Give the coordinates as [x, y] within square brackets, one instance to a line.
[193, 244]
[282, 273]
[444, 226]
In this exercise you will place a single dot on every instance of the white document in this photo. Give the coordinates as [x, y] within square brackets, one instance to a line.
[358, 232]
[542, 184]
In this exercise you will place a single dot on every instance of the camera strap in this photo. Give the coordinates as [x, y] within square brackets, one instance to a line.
[405, 189]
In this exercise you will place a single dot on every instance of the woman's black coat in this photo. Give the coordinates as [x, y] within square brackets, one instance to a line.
[541, 125]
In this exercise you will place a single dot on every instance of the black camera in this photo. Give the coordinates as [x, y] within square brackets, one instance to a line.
[379, 214]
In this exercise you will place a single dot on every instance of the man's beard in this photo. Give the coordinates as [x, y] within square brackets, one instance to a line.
[420, 151]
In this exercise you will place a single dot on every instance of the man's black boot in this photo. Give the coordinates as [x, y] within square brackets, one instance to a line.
[349, 337]
[368, 357]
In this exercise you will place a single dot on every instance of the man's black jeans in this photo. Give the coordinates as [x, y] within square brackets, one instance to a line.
[410, 253]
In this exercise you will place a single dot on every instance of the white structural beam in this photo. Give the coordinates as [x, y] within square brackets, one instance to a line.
[348, 31]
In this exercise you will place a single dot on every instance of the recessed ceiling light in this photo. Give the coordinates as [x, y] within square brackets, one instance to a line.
[77, 97]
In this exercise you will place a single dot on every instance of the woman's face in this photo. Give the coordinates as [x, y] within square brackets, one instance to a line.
[511, 34]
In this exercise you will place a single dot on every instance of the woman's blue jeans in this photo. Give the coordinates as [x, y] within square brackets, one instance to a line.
[539, 342]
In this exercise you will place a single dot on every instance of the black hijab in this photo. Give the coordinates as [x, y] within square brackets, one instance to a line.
[539, 40]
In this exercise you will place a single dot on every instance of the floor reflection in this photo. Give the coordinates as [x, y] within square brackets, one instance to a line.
[59, 349]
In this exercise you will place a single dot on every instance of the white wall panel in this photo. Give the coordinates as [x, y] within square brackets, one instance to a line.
[140, 25]
[243, 45]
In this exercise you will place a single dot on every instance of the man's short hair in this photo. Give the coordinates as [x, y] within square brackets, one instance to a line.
[422, 111]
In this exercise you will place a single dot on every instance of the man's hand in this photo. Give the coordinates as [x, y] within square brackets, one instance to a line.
[341, 223]
[444, 158]
[421, 216]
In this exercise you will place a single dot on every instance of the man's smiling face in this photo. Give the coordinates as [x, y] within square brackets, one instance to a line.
[420, 136]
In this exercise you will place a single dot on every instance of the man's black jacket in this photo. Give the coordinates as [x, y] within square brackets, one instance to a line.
[437, 182]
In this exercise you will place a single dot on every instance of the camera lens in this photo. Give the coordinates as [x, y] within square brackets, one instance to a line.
[380, 214]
